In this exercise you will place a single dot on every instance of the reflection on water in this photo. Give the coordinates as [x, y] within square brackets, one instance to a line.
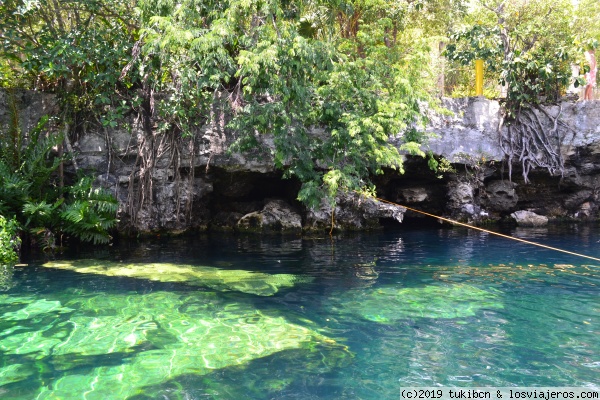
[6, 277]
[353, 317]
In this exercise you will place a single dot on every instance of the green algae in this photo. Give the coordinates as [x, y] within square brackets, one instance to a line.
[152, 338]
[258, 283]
[392, 303]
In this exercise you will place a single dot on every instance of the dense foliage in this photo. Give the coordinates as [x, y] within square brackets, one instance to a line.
[333, 82]
[530, 47]
[509, 36]
[74, 48]
[356, 69]
[31, 193]
[9, 241]
[352, 69]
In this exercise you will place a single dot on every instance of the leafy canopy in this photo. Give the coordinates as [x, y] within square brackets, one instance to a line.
[331, 81]
[74, 48]
[528, 45]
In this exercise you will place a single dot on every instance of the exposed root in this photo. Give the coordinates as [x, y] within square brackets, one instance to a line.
[534, 138]
[166, 149]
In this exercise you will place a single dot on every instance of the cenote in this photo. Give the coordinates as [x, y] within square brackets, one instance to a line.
[270, 317]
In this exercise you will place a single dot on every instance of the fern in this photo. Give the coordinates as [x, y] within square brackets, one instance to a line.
[40, 213]
[37, 167]
[92, 214]
[43, 210]
[14, 190]
[83, 222]
[25, 172]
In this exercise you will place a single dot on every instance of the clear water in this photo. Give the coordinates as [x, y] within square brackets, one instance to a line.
[366, 315]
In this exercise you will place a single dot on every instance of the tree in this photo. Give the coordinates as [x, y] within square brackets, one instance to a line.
[587, 24]
[587, 31]
[530, 46]
[348, 68]
[74, 48]
[333, 81]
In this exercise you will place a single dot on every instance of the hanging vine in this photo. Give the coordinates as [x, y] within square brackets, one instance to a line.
[162, 149]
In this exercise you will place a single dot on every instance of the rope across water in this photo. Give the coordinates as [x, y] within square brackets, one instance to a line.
[488, 231]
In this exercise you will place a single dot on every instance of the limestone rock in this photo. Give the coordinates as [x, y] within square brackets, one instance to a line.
[277, 215]
[529, 218]
[578, 198]
[352, 212]
[31, 106]
[466, 132]
[501, 195]
[413, 195]
[587, 210]
[475, 212]
[459, 194]
[200, 184]
[225, 221]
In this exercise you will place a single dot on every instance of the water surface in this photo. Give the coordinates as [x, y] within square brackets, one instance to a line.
[352, 317]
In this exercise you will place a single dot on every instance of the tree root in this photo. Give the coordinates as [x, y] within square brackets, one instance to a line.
[535, 138]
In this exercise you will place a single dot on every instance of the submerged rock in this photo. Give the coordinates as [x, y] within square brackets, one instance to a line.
[392, 303]
[499, 274]
[258, 283]
[152, 337]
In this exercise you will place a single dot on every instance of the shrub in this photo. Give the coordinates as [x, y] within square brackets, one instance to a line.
[9, 241]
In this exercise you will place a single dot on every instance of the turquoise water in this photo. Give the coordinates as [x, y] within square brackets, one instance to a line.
[353, 317]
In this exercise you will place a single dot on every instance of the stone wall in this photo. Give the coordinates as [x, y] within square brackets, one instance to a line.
[185, 184]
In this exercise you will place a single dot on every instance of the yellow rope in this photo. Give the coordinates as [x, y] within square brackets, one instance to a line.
[488, 231]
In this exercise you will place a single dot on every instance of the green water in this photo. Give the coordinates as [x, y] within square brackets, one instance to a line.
[354, 317]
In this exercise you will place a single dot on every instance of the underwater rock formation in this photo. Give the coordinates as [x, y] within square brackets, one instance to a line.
[121, 345]
[257, 283]
[430, 301]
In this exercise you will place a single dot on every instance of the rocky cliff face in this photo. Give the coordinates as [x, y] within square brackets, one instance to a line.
[482, 188]
[175, 184]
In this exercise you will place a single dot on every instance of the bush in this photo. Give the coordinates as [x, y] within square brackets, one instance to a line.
[9, 241]
[30, 190]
